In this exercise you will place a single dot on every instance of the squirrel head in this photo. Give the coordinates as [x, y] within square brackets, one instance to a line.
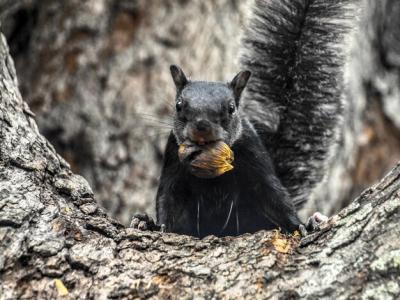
[207, 111]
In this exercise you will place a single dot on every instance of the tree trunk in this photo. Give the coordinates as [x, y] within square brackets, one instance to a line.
[369, 143]
[56, 241]
[96, 74]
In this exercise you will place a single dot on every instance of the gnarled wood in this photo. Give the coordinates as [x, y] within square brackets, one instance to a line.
[55, 240]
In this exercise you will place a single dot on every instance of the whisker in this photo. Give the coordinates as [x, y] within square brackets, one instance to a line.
[155, 131]
[159, 134]
[154, 137]
[148, 115]
[157, 122]
[237, 217]
[170, 122]
[227, 219]
[198, 215]
[148, 121]
[152, 117]
[166, 101]
[158, 128]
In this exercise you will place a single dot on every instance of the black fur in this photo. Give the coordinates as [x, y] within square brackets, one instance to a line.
[291, 110]
[295, 51]
[194, 206]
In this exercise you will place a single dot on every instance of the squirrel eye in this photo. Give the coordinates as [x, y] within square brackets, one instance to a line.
[179, 105]
[231, 107]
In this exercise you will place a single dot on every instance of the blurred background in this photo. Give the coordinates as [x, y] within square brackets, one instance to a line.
[96, 74]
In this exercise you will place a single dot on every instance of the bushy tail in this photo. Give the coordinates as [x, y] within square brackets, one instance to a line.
[295, 50]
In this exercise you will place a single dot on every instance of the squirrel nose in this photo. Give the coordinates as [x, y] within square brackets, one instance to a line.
[203, 125]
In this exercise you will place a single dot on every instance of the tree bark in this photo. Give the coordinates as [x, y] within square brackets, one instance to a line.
[56, 241]
[96, 74]
[94, 70]
[369, 143]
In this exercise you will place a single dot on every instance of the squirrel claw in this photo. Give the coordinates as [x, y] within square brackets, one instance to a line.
[163, 228]
[142, 225]
[313, 223]
[144, 222]
[303, 230]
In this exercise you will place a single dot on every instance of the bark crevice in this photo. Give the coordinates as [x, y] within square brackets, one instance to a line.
[56, 240]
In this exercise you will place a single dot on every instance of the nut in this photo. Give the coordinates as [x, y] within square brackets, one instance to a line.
[209, 161]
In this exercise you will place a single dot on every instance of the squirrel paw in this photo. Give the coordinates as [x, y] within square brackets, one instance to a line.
[313, 223]
[144, 222]
[303, 230]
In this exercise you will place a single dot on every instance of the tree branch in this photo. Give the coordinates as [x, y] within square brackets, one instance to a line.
[55, 240]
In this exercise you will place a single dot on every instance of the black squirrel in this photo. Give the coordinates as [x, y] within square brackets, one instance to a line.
[246, 199]
[281, 129]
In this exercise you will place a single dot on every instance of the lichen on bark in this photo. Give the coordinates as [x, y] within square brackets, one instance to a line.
[56, 241]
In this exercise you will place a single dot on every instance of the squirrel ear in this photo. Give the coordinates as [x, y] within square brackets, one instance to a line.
[239, 83]
[178, 76]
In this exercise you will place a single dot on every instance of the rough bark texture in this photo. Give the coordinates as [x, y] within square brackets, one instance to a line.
[55, 240]
[93, 71]
[376, 86]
